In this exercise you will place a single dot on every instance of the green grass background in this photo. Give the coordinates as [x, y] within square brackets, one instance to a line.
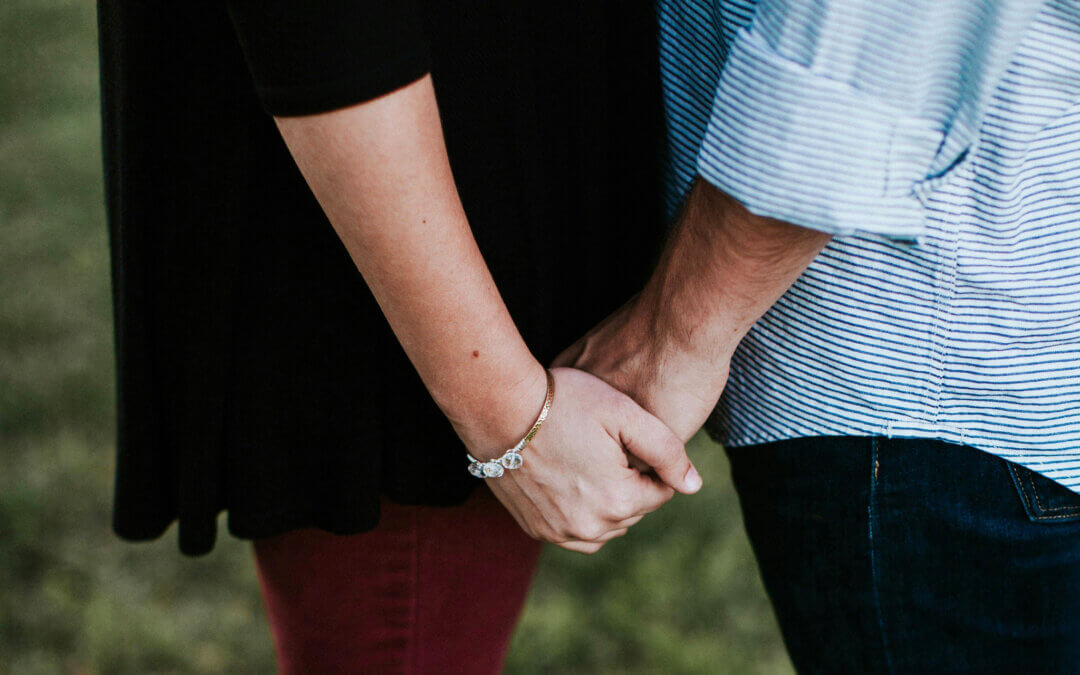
[679, 594]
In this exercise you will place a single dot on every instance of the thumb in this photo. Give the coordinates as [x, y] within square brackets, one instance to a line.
[651, 441]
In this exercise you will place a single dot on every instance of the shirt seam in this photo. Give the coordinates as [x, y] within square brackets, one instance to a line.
[944, 296]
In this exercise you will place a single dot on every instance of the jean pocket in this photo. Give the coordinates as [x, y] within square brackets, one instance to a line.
[1044, 500]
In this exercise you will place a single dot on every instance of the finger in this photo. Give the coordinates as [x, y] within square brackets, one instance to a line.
[603, 539]
[650, 440]
[627, 523]
[613, 534]
[641, 494]
[650, 493]
[588, 547]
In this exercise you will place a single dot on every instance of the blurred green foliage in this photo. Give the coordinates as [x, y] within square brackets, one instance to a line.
[680, 594]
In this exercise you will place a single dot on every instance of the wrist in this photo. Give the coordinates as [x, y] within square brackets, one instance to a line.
[680, 340]
[502, 408]
[722, 270]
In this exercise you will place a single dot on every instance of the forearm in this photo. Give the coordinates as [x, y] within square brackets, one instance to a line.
[381, 174]
[721, 270]
[670, 346]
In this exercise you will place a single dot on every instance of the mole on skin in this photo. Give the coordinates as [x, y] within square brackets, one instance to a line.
[475, 354]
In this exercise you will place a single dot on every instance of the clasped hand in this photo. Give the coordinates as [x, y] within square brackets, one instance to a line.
[604, 458]
[642, 382]
[577, 487]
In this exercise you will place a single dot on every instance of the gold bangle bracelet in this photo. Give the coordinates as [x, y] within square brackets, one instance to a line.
[512, 459]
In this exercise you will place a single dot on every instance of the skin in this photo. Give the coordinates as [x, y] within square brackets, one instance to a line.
[670, 346]
[381, 174]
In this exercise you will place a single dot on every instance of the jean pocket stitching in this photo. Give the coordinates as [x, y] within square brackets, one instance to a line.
[1064, 510]
[1067, 510]
[1058, 517]
[1036, 510]
[1022, 489]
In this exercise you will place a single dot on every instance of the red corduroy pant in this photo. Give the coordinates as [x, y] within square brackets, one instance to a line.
[430, 590]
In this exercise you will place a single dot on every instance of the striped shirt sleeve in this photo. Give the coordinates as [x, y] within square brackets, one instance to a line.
[837, 115]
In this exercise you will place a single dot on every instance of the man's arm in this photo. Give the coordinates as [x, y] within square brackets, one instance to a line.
[829, 116]
[669, 347]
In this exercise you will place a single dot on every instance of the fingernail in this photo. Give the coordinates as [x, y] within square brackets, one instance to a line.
[692, 480]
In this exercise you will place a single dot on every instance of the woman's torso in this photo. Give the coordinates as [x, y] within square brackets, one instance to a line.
[256, 372]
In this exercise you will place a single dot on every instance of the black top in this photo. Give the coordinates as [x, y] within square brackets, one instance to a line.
[255, 371]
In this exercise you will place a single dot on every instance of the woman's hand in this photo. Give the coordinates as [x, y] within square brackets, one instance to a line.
[576, 487]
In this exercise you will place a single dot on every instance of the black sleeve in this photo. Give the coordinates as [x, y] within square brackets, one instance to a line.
[311, 56]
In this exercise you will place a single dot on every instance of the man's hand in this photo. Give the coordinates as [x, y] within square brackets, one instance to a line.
[631, 351]
[576, 487]
[670, 347]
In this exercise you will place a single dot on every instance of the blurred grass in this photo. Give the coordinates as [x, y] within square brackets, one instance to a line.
[680, 594]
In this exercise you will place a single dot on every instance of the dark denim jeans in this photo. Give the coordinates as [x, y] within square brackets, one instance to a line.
[913, 556]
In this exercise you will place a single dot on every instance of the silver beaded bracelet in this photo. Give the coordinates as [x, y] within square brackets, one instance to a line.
[512, 459]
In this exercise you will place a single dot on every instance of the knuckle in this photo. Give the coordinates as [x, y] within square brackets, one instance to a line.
[576, 533]
[596, 531]
[570, 528]
[545, 532]
[556, 537]
[621, 507]
[564, 534]
[587, 532]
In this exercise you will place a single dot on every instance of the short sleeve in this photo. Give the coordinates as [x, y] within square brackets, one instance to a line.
[312, 56]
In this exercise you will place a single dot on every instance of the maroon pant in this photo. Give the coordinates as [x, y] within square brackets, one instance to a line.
[430, 590]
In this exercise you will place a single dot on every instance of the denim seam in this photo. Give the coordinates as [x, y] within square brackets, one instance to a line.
[1066, 510]
[874, 467]
[1037, 511]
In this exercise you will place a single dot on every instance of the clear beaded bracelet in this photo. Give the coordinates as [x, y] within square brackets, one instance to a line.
[512, 459]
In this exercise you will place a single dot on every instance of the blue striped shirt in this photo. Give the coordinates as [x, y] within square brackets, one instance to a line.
[940, 141]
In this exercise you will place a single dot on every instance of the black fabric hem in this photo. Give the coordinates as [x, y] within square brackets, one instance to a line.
[197, 536]
[334, 95]
[141, 531]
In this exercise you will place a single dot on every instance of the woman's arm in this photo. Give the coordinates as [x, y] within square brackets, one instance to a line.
[380, 172]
